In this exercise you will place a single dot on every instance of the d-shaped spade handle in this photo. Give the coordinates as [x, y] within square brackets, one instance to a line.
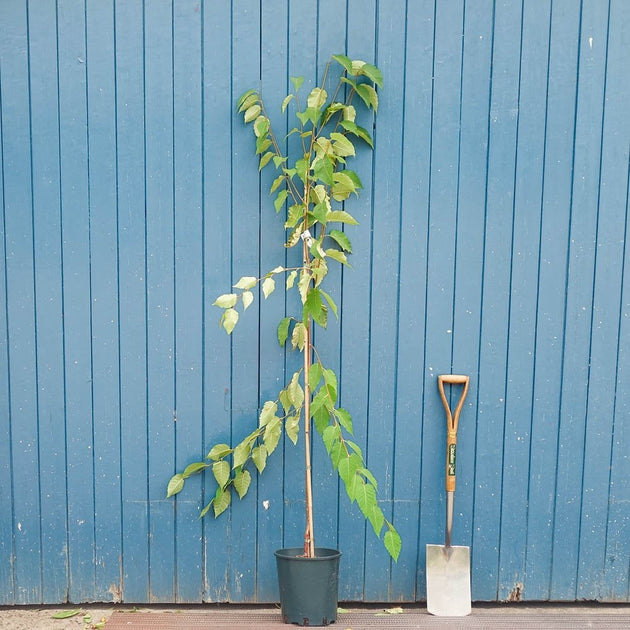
[452, 421]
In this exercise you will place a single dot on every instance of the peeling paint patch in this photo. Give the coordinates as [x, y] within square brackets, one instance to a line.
[517, 593]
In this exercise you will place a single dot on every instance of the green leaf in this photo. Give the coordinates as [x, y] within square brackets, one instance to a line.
[291, 279]
[315, 308]
[341, 145]
[280, 199]
[248, 298]
[303, 285]
[366, 499]
[343, 187]
[251, 113]
[368, 95]
[278, 160]
[292, 427]
[321, 418]
[261, 126]
[295, 391]
[357, 449]
[360, 132]
[262, 144]
[341, 216]
[317, 98]
[365, 472]
[330, 383]
[241, 453]
[229, 320]
[377, 519]
[294, 216]
[227, 300]
[265, 159]
[320, 213]
[242, 479]
[246, 100]
[268, 287]
[272, 435]
[331, 302]
[221, 472]
[348, 467]
[246, 282]
[286, 101]
[65, 614]
[175, 485]
[283, 397]
[330, 436]
[259, 457]
[294, 237]
[341, 239]
[298, 338]
[392, 541]
[345, 419]
[221, 501]
[297, 82]
[372, 73]
[349, 113]
[206, 509]
[268, 412]
[335, 254]
[323, 170]
[276, 183]
[219, 451]
[346, 62]
[193, 469]
[315, 375]
[283, 330]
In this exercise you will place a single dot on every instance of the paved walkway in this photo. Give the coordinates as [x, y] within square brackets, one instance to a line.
[494, 617]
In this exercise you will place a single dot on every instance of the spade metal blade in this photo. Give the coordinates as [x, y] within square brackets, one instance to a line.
[448, 581]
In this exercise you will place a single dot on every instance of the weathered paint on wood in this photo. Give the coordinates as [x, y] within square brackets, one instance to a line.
[492, 242]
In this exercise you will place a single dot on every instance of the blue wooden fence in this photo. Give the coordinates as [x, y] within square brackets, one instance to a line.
[492, 242]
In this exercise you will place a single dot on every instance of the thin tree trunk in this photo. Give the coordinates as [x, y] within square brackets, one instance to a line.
[309, 538]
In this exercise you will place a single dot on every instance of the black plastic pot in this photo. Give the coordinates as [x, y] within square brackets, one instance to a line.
[309, 587]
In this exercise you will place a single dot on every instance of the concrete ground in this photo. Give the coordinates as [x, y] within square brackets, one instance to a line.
[351, 617]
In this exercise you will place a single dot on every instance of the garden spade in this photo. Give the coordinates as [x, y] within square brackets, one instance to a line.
[448, 566]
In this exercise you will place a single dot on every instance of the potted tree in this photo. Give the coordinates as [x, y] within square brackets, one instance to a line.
[312, 188]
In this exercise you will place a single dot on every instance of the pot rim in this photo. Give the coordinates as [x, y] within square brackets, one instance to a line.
[297, 554]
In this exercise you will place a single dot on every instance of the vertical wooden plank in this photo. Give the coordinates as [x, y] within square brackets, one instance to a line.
[104, 281]
[355, 314]
[161, 350]
[48, 296]
[188, 284]
[604, 334]
[302, 46]
[440, 270]
[217, 190]
[20, 304]
[475, 103]
[245, 262]
[130, 169]
[617, 566]
[495, 305]
[274, 82]
[384, 298]
[558, 153]
[578, 321]
[76, 296]
[414, 181]
[7, 551]
[523, 297]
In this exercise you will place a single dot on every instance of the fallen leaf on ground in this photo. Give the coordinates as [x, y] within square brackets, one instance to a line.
[65, 614]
